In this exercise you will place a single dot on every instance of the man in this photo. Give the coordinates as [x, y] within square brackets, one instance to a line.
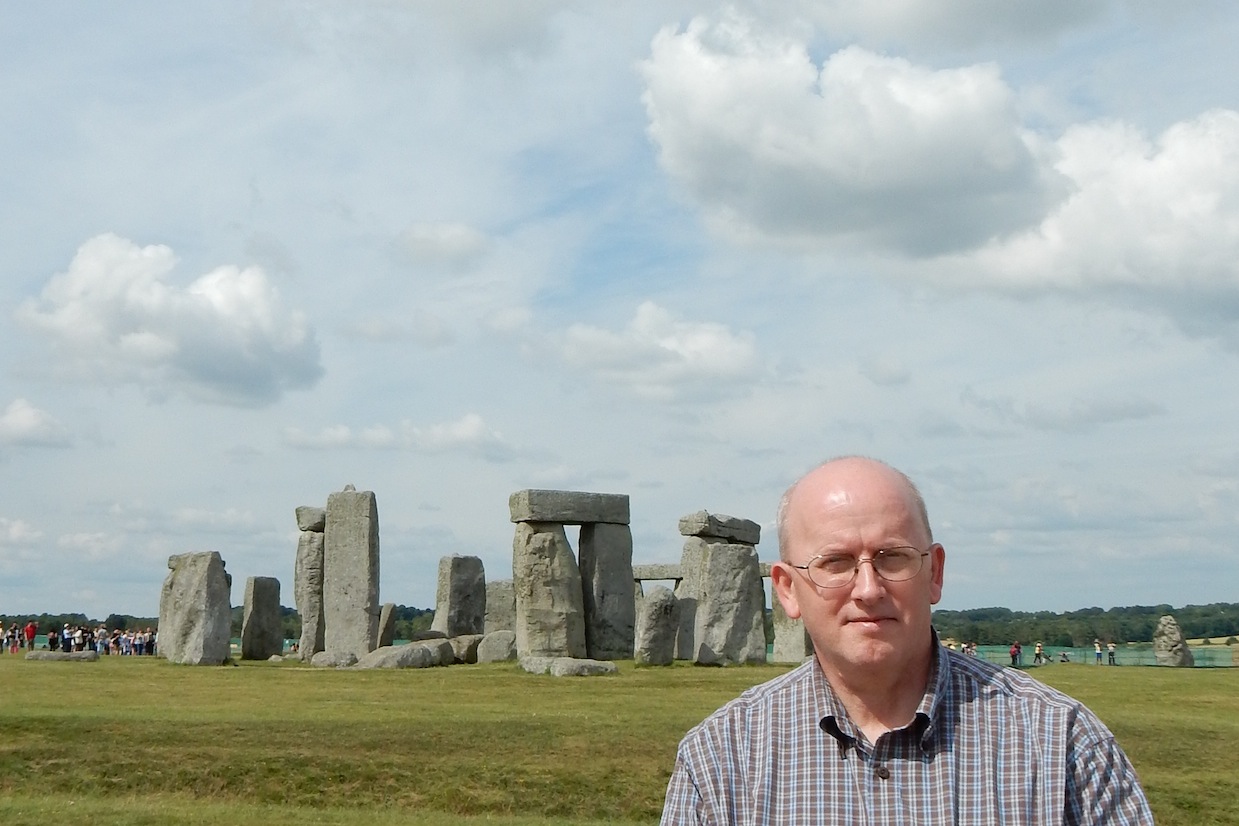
[884, 725]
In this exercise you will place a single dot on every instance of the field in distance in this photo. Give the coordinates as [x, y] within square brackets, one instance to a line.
[139, 741]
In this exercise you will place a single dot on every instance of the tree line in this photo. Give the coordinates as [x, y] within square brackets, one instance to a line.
[1217, 621]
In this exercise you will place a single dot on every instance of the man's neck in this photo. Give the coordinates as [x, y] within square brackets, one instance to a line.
[881, 700]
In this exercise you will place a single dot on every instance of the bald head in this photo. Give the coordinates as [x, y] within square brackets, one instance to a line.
[837, 474]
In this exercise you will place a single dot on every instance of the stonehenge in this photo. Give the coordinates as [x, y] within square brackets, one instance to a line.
[1169, 646]
[460, 598]
[351, 573]
[262, 627]
[308, 579]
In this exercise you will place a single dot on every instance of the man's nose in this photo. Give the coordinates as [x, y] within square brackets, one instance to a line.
[867, 585]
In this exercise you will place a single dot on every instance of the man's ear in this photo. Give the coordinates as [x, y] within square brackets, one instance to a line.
[781, 582]
[937, 558]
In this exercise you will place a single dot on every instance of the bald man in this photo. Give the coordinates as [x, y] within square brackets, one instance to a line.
[883, 724]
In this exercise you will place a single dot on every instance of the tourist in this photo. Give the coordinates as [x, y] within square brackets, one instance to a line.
[1015, 651]
[1097, 652]
[1038, 654]
[884, 724]
[31, 631]
[1110, 652]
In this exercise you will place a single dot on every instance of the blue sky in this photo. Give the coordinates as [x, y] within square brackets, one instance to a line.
[253, 252]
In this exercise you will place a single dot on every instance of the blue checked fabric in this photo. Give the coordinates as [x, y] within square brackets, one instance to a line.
[988, 746]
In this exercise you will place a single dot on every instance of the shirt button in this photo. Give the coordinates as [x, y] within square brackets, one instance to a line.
[882, 772]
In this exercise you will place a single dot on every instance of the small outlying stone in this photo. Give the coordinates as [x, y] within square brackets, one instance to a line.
[1169, 646]
[497, 647]
[63, 656]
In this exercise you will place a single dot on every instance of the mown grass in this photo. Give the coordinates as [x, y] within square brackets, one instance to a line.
[127, 741]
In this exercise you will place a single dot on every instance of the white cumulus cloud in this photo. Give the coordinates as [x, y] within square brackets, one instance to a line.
[468, 434]
[15, 532]
[24, 424]
[662, 356]
[225, 338]
[867, 149]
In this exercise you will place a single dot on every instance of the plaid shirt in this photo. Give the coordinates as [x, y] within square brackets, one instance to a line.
[988, 745]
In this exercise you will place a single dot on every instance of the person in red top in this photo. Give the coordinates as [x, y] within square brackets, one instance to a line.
[31, 631]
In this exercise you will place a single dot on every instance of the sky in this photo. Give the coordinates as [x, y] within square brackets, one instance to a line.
[253, 252]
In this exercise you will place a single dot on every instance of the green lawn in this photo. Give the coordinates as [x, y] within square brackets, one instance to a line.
[137, 741]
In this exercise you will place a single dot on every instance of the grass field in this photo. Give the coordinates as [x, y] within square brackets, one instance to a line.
[139, 741]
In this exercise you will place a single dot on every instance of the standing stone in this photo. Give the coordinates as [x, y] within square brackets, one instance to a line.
[500, 606]
[387, 624]
[791, 641]
[730, 617]
[607, 590]
[688, 593]
[262, 627]
[308, 593]
[195, 610]
[460, 599]
[550, 616]
[1169, 646]
[658, 623]
[351, 573]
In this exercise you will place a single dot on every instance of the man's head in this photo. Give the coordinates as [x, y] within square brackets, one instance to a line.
[854, 507]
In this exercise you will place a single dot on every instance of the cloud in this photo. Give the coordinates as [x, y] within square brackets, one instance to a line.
[885, 371]
[450, 245]
[1080, 415]
[868, 150]
[16, 532]
[225, 338]
[1153, 222]
[661, 356]
[93, 545]
[24, 424]
[468, 434]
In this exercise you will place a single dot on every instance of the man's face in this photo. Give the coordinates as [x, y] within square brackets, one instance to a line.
[870, 627]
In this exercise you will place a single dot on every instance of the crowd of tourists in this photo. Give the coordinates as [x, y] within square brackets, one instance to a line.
[125, 642]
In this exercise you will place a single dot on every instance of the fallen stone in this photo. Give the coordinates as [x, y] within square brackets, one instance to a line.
[311, 518]
[195, 611]
[262, 627]
[333, 659]
[568, 666]
[1169, 646]
[465, 647]
[410, 655]
[351, 572]
[276, 658]
[500, 606]
[658, 622]
[497, 646]
[308, 593]
[568, 507]
[64, 656]
[428, 634]
[550, 616]
[720, 526]
[607, 590]
[460, 598]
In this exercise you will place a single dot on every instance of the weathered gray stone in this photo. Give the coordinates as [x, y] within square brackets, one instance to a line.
[410, 655]
[262, 627]
[333, 659]
[550, 615]
[658, 623]
[500, 606]
[729, 617]
[568, 507]
[688, 593]
[460, 599]
[387, 624]
[656, 571]
[88, 656]
[308, 593]
[1169, 646]
[465, 647]
[568, 666]
[791, 641]
[351, 572]
[428, 634]
[607, 590]
[720, 526]
[310, 518]
[195, 611]
[497, 646]
[536, 665]
[276, 658]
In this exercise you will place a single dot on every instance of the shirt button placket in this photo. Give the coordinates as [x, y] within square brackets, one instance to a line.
[882, 772]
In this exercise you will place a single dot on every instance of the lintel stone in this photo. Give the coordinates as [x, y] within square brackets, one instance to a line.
[568, 507]
[669, 570]
[721, 526]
